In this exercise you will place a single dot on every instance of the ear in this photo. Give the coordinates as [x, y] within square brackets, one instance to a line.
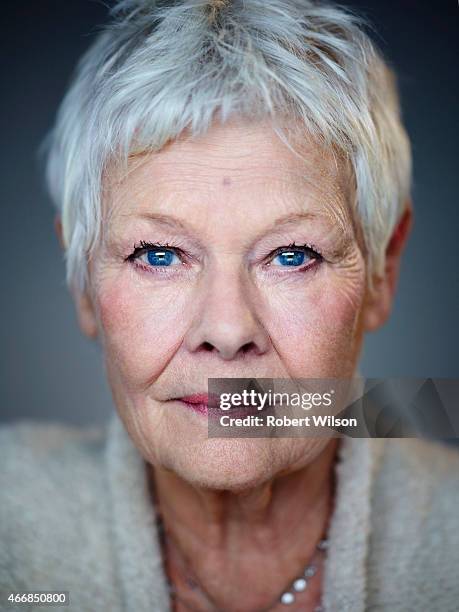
[59, 231]
[378, 302]
[86, 314]
[83, 302]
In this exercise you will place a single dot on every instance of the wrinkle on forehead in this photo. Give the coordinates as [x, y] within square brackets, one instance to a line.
[236, 157]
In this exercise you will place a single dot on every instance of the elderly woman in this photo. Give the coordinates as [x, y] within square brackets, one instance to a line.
[233, 186]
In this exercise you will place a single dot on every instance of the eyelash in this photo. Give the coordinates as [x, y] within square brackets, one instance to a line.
[144, 246]
[308, 249]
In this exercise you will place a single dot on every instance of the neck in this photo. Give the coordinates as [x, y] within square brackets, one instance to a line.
[211, 512]
[234, 534]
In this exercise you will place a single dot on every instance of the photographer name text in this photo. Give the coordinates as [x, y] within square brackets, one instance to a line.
[284, 421]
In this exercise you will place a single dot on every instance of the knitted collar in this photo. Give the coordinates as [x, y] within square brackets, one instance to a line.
[136, 543]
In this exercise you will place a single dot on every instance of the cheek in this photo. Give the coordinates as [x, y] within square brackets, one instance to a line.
[315, 326]
[141, 329]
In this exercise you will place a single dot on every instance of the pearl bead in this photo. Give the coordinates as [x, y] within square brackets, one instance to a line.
[322, 545]
[310, 571]
[287, 598]
[299, 585]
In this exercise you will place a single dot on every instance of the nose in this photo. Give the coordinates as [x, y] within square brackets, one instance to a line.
[225, 321]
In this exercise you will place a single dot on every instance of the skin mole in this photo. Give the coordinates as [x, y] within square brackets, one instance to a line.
[226, 181]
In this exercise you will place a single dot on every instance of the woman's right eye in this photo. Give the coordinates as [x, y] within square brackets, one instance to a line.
[148, 255]
[159, 257]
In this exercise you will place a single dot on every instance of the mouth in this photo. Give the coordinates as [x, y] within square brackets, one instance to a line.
[209, 405]
[202, 403]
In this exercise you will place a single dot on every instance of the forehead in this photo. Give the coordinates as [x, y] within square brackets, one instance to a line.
[235, 163]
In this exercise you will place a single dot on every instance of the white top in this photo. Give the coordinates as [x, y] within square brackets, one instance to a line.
[76, 515]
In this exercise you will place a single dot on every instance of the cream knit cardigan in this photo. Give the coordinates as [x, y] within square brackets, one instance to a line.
[75, 515]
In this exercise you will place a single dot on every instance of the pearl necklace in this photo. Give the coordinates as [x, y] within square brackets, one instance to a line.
[297, 586]
[301, 582]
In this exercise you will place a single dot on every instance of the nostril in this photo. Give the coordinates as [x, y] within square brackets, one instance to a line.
[207, 346]
[246, 348]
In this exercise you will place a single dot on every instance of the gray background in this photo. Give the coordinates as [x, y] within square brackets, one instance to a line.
[49, 371]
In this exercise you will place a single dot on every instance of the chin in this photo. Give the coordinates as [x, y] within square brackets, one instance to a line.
[236, 464]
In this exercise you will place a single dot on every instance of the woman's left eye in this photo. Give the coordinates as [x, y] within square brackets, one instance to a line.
[293, 257]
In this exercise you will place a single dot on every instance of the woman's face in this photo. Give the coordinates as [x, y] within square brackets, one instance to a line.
[222, 297]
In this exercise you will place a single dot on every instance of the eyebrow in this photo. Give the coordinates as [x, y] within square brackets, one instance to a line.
[176, 223]
[168, 221]
[289, 219]
[276, 226]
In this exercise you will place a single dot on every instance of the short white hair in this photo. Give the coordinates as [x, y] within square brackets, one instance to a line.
[161, 67]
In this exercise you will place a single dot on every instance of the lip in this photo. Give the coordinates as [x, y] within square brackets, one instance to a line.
[202, 398]
[201, 403]
[209, 405]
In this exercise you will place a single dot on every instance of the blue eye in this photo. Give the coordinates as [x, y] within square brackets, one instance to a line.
[160, 257]
[290, 258]
[155, 255]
